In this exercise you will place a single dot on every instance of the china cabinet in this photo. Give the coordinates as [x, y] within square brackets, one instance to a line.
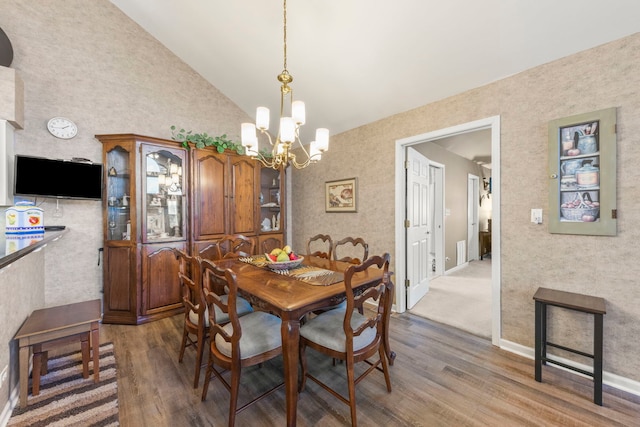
[271, 201]
[145, 216]
[159, 195]
[224, 195]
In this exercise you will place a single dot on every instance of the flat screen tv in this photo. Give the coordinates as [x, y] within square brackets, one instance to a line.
[62, 179]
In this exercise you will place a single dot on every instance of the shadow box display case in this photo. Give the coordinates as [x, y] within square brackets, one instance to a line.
[582, 172]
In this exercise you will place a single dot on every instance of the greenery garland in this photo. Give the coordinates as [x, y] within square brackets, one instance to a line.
[201, 140]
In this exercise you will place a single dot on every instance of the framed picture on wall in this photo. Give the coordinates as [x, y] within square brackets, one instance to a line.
[341, 195]
[582, 172]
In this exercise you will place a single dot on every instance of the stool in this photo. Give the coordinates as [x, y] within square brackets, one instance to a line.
[50, 327]
[572, 301]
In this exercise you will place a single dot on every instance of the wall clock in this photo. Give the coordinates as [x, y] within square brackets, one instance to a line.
[61, 127]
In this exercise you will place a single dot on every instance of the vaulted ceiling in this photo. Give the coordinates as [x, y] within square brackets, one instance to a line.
[357, 61]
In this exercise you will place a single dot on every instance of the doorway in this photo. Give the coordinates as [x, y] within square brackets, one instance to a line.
[492, 124]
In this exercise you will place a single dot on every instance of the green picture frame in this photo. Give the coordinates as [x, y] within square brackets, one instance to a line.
[582, 174]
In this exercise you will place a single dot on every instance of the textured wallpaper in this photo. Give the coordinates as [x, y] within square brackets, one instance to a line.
[602, 77]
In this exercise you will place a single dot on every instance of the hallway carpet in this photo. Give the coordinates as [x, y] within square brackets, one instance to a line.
[461, 299]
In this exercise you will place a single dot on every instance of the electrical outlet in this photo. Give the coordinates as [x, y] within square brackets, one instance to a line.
[3, 375]
[536, 216]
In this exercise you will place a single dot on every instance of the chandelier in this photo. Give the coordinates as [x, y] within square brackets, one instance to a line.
[281, 153]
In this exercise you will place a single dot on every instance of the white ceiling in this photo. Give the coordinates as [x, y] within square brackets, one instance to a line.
[357, 61]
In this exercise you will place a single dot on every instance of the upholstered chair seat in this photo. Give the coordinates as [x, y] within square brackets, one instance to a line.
[326, 330]
[260, 334]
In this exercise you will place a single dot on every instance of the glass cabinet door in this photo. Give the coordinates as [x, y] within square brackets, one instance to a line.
[270, 200]
[582, 166]
[163, 194]
[118, 188]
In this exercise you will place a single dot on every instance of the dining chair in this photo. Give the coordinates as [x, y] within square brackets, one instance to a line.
[234, 245]
[349, 245]
[208, 251]
[241, 342]
[347, 335]
[323, 242]
[194, 329]
[270, 244]
[196, 323]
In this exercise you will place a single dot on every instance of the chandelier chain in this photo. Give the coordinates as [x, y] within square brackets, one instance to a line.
[284, 20]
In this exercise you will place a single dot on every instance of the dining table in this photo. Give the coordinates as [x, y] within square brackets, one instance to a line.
[292, 294]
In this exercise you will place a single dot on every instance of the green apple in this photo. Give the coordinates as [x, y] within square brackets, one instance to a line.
[282, 257]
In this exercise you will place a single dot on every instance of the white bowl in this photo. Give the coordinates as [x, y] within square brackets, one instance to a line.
[284, 265]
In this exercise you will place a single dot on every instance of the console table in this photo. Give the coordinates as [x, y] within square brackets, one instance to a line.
[572, 301]
[485, 243]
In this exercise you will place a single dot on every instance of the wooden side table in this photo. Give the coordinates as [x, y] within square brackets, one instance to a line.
[572, 301]
[54, 326]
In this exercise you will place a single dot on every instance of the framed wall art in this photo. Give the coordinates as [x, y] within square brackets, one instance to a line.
[341, 196]
[582, 174]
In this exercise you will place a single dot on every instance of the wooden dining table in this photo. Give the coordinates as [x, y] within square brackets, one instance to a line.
[291, 299]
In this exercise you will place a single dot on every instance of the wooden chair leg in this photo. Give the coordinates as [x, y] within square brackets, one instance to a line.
[183, 345]
[303, 365]
[199, 355]
[233, 400]
[207, 378]
[351, 382]
[385, 367]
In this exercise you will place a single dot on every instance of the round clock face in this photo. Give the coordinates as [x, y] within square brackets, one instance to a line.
[62, 128]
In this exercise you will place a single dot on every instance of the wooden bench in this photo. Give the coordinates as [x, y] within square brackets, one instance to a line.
[51, 327]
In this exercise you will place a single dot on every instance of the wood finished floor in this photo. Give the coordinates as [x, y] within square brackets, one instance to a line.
[442, 377]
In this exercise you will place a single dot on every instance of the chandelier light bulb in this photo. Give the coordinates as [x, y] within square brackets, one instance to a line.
[262, 118]
[298, 112]
[287, 129]
[314, 154]
[248, 135]
[322, 139]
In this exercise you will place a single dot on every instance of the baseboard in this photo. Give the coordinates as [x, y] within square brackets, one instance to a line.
[8, 407]
[621, 383]
[456, 268]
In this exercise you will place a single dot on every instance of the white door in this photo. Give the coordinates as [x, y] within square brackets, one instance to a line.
[473, 194]
[436, 219]
[417, 226]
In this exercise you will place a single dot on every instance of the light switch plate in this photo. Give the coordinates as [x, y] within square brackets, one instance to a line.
[536, 216]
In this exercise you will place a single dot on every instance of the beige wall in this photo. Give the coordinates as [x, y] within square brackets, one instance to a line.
[599, 78]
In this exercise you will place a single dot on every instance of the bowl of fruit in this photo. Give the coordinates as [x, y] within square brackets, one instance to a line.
[283, 259]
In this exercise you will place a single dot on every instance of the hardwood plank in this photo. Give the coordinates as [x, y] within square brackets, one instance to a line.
[441, 377]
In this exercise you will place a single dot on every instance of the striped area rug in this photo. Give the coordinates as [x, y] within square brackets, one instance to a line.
[67, 399]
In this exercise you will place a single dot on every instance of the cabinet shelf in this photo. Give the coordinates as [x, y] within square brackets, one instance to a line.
[580, 156]
[577, 189]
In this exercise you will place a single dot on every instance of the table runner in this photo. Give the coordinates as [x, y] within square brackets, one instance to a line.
[316, 276]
